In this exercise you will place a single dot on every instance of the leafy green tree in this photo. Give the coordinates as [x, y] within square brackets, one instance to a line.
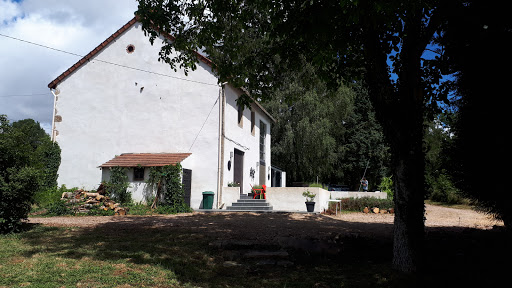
[439, 141]
[36, 148]
[323, 133]
[23, 150]
[303, 137]
[363, 145]
[253, 43]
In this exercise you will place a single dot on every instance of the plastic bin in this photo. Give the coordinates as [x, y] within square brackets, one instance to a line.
[208, 199]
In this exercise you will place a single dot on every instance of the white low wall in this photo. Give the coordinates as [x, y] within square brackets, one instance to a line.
[229, 195]
[291, 199]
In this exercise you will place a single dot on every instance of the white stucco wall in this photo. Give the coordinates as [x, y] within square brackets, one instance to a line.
[138, 189]
[108, 110]
[105, 112]
[240, 137]
[291, 199]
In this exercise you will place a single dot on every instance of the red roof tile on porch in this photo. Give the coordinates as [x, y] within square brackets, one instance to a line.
[145, 159]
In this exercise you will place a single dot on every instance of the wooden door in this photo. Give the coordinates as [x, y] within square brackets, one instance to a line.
[238, 169]
[187, 185]
[263, 174]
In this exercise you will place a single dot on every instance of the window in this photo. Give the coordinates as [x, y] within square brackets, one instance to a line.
[263, 136]
[138, 173]
[253, 122]
[241, 116]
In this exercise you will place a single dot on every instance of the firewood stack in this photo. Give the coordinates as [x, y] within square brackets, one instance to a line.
[376, 210]
[85, 200]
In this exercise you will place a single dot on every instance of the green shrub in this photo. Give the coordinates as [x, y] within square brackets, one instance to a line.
[117, 186]
[319, 185]
[58, 208]
[166, 182]
[48, 196]
[358, 204]
[443, 190]
[139, 209]
[16, 196]
[233, 184]
[386, 185]
[145, 209]
[29, 161]
[98, 211]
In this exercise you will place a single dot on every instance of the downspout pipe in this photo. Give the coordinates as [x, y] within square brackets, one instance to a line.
[220, 171]
[54, 92]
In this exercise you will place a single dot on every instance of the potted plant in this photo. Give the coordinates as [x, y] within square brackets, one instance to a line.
[233, 184]
[257, 187]
[310, 205]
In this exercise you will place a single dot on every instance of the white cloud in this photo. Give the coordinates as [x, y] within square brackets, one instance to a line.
[26, 69]
[8, 11]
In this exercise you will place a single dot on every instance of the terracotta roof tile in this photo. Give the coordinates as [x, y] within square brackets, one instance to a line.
[145, 159]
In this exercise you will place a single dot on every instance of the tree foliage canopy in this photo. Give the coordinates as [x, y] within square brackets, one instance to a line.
[254, 43]
[28, 163]
[324, 133]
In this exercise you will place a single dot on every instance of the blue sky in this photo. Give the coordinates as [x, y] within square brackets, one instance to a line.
[71, 25]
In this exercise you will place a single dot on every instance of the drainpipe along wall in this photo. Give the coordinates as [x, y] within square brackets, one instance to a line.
[220, 172]
[53, 116]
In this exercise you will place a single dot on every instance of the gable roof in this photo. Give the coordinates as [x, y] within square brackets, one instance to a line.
[86, 58]
[145, 159]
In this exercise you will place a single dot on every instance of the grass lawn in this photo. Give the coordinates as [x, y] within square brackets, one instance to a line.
[181, 257]
[85, 257]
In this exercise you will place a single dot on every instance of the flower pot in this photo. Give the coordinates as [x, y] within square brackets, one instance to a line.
[310, 206]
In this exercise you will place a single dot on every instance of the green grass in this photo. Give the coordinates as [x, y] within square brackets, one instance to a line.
[136, 253]
[72, 257]
[466, 205]
[151, 257]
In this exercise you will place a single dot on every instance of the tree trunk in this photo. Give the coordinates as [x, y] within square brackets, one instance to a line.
[408, 242]
[158, 192]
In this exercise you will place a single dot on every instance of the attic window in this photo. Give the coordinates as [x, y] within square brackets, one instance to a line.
[130, 48]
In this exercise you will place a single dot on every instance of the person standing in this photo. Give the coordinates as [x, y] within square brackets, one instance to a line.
[364, 184]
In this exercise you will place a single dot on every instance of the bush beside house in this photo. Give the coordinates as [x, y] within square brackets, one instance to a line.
[28, 165]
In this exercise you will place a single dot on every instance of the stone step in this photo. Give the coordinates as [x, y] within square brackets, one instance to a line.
[251, 201]
[246, 203]
[249, 208]
[257, 204]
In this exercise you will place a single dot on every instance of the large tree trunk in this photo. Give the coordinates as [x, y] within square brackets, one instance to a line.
[401, 115]
[408, 239]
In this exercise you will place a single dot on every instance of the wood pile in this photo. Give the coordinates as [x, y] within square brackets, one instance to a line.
[377, 210]
[84, 201]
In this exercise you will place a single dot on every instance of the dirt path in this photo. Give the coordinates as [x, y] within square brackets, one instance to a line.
[263, 225]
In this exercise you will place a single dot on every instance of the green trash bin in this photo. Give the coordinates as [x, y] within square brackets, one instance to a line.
[208, 199]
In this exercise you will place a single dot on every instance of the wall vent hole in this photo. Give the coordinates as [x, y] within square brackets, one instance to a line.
[130, 48]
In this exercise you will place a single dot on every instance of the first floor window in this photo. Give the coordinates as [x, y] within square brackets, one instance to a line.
[263, 136]
[138, 173]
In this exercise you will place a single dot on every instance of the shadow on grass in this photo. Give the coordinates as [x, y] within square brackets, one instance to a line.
[322, 251]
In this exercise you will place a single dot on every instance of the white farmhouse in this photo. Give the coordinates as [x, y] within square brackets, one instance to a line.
[119, 100]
